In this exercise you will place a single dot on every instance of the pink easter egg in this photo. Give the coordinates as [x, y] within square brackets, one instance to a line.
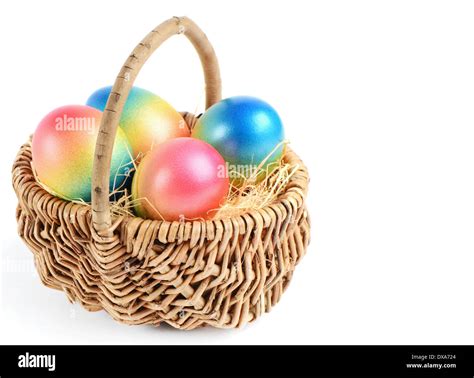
[182, 178]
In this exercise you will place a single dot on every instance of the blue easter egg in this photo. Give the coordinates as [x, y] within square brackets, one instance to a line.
[247, 132]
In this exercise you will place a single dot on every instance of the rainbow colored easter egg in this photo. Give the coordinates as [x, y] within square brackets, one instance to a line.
[147, 119]
[247, 132]
[183, 178]
[63, 152]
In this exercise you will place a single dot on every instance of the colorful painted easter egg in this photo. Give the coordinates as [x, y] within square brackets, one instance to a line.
[183, 178]
[147, 119]
[247, 132]
[63, 152]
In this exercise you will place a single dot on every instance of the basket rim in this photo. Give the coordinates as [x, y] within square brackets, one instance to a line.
[292, 198]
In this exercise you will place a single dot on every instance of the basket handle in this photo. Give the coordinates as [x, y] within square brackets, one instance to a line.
[101, 217]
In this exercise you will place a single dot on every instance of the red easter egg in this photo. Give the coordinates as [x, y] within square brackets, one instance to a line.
[180, 178]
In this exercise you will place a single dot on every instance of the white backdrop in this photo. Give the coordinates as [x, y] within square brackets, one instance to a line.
[376, 96]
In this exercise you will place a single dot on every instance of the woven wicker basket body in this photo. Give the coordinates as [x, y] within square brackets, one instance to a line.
[222, 273]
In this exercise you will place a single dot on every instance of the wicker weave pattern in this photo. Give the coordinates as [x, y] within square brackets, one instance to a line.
[222, 273]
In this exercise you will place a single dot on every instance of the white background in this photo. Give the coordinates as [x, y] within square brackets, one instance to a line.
[377, 98]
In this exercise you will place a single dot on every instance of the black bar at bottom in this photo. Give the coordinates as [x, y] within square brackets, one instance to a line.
[221, 361]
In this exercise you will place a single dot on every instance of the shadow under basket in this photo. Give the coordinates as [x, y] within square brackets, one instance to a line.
[222, 273]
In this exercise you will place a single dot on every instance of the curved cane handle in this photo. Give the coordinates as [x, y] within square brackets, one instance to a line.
[101, 218]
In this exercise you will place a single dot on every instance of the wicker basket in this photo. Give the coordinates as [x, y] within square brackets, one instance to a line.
[222, 273]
